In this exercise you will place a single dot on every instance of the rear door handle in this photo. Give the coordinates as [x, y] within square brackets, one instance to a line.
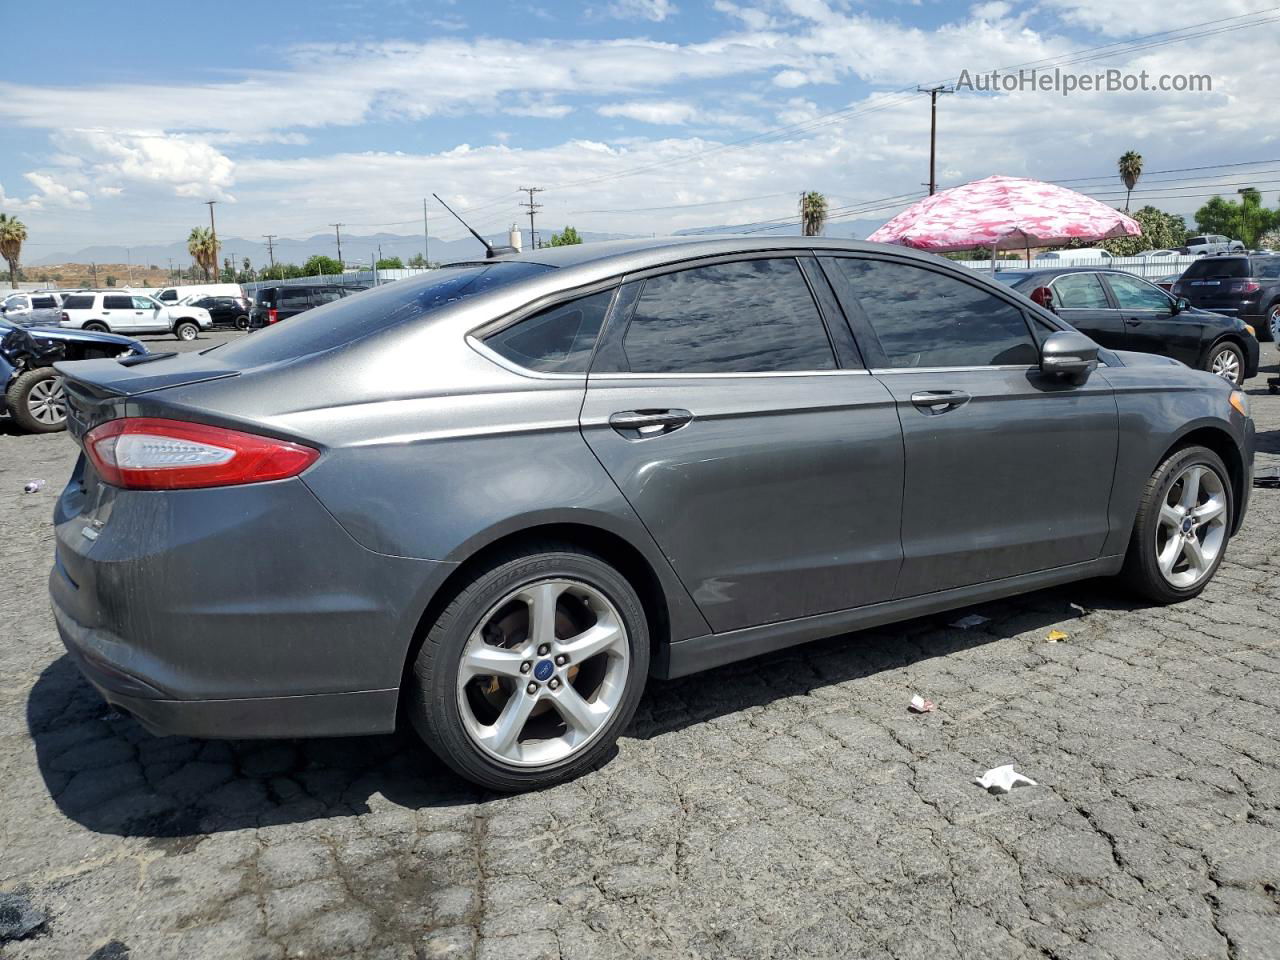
[639, 424]
[1133, 321]
[939, 401]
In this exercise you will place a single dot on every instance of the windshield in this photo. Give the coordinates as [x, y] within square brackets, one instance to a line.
[360, 315]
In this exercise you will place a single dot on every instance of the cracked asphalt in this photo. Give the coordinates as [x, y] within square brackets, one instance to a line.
[788, 806]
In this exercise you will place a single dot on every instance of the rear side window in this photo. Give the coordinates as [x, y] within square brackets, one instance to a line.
[1080, 291]
[110, 302]
[556, 340]
[78, 301]
[325, 296]
[1267, 268]
[923, 318]
[295, 298]
[1195, 241]
[43, 303]
[1217, 268]
[755, 316]
[381, 308]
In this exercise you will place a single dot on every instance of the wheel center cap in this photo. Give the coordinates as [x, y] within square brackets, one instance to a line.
[1188, 524]
[543, 670]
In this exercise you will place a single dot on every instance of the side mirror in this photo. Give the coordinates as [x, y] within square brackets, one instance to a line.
[1069, 354]
[1182, 303]
[1044, 297]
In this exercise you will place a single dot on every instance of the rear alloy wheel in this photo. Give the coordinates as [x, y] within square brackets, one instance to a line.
[1273, 323]
[1182, 528]
[37, 401]
[242, 322]
[186, 330]
[93, 326]
[1227, 361]
[528, 677]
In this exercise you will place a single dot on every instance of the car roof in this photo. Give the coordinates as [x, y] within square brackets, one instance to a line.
[638, 254]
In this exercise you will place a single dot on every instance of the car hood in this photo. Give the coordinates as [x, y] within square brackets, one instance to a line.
[71, 335]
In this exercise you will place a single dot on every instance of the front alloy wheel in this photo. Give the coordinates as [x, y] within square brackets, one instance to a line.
[531, 672]
[37, 401]
[1273, 323]
[1228, 363]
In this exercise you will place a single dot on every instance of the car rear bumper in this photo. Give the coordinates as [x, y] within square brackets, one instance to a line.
[233, 612]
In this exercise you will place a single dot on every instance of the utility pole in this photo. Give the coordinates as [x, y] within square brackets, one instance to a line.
[214, 230]
[170, 259]
[933, 130]
[426, 233]
[128, 256]
[337, 232]
[271, 253]
[531, 207]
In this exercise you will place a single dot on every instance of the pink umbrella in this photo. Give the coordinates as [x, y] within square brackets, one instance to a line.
[991, 212]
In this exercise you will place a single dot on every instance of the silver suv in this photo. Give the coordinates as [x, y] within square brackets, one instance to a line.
[1212, 245]
[38, 306]
[126, 312]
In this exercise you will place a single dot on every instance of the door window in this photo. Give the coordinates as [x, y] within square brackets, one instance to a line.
[556, 340]
[43, 303]
[295, 299]
[1134, 294]
[1079, 291]
[753, 316]
[325, 296]
[923, 318]
[110, 302]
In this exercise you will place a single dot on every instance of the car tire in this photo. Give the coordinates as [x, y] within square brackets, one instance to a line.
[96, 326]
[547, 716]
[36, 401]
[1227, 361]
[186, 330]
[1157, 527]
[1271, 329]
[242, 323]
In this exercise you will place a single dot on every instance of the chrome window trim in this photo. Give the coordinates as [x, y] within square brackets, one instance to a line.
[881, 371]
[728, 376]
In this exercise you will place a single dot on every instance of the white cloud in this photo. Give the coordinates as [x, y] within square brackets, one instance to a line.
[659, 112]
[655, 10]
[992, 10]
[788, 79]
[187, 166]
[54, 193]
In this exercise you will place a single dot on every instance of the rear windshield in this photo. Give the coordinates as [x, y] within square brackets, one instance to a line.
[1217, 267]
[358, 316]
[1012, 277]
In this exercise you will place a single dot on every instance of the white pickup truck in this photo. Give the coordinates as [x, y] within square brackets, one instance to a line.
[1212, 245]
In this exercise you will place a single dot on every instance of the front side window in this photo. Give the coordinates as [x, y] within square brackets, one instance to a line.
[753, 316]
[923, 318]
[43, 303]
[114, 302]
[1079, 291]
[1134, 294]
[556, 340]
[169, 296]
[144, 303]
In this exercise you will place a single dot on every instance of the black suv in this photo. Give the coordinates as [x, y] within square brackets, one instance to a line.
[229, 310]
[273, 304]
[1125, 312]
[1244, 287]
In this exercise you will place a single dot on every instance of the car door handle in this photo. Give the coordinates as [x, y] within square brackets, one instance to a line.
[648, 423]
[1133, 321]
[939, 401]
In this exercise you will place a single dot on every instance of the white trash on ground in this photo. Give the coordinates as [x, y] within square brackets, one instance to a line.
[1003, 779]
[972, 620]
[920, 705]
[33, 486]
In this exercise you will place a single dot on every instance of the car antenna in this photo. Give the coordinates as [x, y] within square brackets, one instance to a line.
[490, 250]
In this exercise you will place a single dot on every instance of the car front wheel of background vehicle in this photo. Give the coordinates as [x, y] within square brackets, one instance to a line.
[533, 670]
[242, 323]
[186, 330]
[1182, 528]
[1227, 361]
[94, 326]
[37, 402]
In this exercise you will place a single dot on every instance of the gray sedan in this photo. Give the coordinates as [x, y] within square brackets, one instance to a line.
[493, 499]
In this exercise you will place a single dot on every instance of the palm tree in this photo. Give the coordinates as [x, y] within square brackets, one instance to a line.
[200, 246]
[813, 213]
[12, 233]
[1130, 171]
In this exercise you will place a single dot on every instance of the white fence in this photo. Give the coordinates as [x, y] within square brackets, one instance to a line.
[1150, 268]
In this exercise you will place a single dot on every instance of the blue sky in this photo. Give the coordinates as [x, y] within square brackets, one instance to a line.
[296, 115]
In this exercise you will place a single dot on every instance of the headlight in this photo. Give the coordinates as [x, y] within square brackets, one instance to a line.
[1240, 400]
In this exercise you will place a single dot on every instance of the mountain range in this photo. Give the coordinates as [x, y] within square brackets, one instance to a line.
[358, 248]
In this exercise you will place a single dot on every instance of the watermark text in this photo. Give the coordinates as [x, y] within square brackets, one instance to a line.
[1065, 83]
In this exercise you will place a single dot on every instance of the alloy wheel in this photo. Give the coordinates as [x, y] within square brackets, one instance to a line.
[543, 672]
[1226, 364]
[47, 402]
[1273, 323]
[1193, 526]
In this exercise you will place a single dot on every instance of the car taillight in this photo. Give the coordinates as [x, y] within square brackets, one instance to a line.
[65, 318]
[1245, 286]
[150, 453]
[272, 315]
